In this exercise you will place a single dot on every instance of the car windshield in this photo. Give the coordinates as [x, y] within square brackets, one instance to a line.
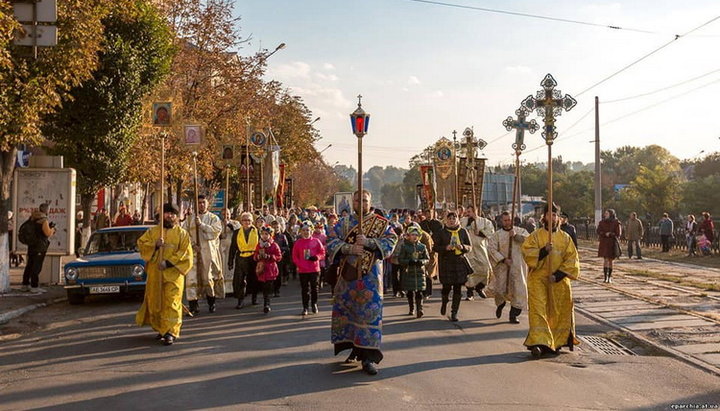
[114, 241]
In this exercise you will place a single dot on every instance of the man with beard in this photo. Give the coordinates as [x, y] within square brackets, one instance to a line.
[357, 311]
[168, 258]
[480, 229]
[551, 312]
[509, 283]
[206, 276]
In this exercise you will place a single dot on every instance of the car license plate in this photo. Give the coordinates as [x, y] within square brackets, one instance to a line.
[105, 289]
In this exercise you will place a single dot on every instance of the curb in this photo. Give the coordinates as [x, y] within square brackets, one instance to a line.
[11, 315]
[707, 367]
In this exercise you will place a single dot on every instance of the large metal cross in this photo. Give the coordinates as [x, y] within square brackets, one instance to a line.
[520, 125]
[549, 104]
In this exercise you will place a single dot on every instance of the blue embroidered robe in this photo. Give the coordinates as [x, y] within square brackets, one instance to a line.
[357, 308]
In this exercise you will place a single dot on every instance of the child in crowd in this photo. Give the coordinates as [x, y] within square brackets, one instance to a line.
[703, 244]
[307, 253]
[267, 254]
[319, 233]
[413, 257]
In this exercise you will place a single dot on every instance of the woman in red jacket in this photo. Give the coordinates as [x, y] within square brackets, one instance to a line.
[608, 231]
[267, 254]
[307, 253]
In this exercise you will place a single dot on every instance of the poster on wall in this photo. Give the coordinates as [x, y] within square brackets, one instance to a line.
[56, 187]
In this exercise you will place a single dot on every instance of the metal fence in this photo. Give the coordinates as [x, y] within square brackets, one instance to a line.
[651, 238]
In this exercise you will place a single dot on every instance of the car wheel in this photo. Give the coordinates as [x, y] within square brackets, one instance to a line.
[75, 298]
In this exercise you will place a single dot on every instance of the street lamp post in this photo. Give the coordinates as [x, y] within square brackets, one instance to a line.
[359, 121]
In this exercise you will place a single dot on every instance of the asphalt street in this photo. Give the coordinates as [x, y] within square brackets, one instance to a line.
[93, 356]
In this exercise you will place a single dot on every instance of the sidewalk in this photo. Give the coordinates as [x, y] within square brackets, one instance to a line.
[17, 302]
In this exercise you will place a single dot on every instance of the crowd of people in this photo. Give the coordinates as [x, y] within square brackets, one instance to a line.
[361, 256]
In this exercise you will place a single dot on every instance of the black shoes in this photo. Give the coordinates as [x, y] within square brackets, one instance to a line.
[194, 308]
[369, 367]
[240, 304]
[514, 312]
[443, 307]
[453, 317]
[411, 312]
[159, 337]
[168, 339]
[266, 308]
[498, 310]
[211, 304]
[304, 312]
[536, 352]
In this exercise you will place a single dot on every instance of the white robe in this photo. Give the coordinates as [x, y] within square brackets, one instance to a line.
[225, 240]
[208, 282]
[508, 283]
[478, 256]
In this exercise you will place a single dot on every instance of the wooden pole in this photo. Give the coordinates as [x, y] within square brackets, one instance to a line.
[360, 187]
[227, 187]
[199, 266]
[248, 201]
[161, 214]
[516, 186]
[550, 221]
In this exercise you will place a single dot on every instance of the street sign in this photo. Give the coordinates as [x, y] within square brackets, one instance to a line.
[46, 36]
[46, 11]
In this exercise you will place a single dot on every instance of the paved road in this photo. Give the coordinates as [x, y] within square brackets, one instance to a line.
[92, 357]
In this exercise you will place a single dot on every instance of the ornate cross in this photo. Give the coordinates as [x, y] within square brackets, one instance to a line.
[549, 104]
[520, 125]
[359, 97]
[471, 144]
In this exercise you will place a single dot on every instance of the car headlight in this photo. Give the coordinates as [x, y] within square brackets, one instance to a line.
[138, 270]
[71, 273]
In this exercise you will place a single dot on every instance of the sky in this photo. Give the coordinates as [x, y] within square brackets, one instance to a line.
[425, 70]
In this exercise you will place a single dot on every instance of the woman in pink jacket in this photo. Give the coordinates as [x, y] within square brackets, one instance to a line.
[267, 254]
[307, 253]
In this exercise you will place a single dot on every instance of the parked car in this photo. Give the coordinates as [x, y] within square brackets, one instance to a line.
[109, 264]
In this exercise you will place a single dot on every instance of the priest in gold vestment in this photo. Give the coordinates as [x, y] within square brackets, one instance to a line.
[167, 261]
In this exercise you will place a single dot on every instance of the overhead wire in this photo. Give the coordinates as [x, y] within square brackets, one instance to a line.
[660, 89]
[535, 16]
[677, 37]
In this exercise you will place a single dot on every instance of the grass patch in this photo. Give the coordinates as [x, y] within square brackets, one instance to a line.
[673, 279]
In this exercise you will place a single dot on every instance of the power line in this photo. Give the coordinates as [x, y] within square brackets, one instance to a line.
[660, 89]
[534, 16]
[677, 36]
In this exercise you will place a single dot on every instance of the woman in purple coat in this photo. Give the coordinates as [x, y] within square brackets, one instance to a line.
[608, 231]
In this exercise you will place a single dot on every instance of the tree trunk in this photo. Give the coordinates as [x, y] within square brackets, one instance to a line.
[7, 167]
[178, 191]
[143, 216]
[86, 201]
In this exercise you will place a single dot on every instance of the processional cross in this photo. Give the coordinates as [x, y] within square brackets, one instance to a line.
[549, 104]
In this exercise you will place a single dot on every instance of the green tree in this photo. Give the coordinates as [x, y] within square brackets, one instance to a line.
[656, 190]
[701, 195]
[391, 196]
[100, 119]
[574, 192]
[534, 180]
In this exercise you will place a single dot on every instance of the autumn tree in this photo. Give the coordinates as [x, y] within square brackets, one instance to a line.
[99, 119]
[30, 89]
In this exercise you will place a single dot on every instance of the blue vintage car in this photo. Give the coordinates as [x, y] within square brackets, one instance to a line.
[109, 264]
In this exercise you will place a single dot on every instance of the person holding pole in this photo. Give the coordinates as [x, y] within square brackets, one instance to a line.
[206, 276]
[168, 258]
[509, 281]
[552, 264]
[357, 308]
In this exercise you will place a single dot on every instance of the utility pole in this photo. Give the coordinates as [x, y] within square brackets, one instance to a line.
[598, 169]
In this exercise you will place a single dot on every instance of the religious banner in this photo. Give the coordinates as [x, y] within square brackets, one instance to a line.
[443, 158]
[427, 176]
[162, 114]
[469, 176]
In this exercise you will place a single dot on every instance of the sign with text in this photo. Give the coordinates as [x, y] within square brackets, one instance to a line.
[56, 187]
